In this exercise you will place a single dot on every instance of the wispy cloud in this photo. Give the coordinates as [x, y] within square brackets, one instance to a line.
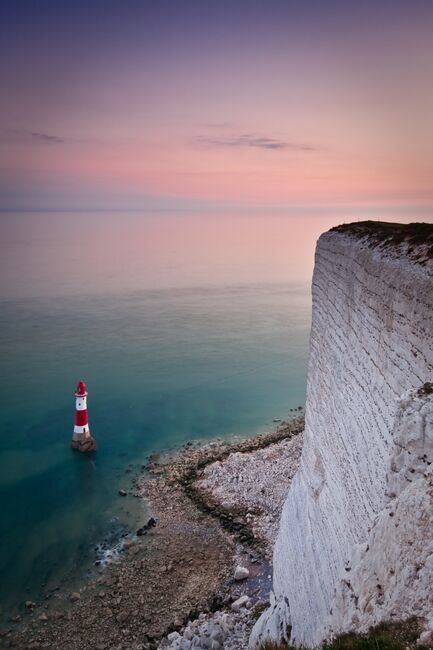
[251, 140]
[28, 135]
[44, 137]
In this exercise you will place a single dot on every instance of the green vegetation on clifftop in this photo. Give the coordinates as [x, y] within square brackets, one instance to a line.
[386, 636]
[388, 235]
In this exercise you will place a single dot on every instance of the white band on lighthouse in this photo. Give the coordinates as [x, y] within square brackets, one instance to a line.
[81, 403]
[81, 429]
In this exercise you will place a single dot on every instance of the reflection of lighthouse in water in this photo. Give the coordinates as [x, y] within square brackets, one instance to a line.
[81, 438]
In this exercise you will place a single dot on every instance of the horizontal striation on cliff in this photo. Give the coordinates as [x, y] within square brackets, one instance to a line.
[371, 342]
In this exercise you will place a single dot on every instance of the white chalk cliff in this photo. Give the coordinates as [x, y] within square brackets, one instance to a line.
[355, 544]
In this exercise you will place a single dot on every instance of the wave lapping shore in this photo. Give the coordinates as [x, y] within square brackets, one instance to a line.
[198, 578]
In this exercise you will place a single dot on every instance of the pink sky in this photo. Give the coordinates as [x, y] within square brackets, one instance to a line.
[270, 108]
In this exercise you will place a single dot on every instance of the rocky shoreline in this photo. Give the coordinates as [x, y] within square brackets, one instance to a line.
[199, 576]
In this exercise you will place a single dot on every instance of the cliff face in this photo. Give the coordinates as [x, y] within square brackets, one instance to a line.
[355, 544]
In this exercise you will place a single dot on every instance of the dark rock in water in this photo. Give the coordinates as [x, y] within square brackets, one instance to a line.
[84, 444]
[150, 524]
[122, 493]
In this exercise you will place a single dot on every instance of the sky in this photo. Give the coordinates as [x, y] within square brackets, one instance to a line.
[228, 105]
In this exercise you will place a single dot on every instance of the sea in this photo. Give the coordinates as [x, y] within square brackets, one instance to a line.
[184, 327]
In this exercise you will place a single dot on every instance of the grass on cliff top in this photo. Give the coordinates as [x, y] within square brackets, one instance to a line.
[390, 235]
[386, 636]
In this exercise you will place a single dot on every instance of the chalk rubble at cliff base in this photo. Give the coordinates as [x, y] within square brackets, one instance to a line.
[254, 484]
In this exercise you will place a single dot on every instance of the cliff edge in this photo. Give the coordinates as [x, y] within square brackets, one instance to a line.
[355, 543]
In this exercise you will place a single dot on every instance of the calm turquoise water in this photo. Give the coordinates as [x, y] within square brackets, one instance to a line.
[163, 365]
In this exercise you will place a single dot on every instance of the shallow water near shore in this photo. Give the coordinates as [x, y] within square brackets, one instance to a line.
[163, 366]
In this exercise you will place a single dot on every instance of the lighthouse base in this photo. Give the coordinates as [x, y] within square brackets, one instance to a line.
[83, 443]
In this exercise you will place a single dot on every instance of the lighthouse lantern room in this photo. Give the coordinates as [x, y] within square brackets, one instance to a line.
[81, 438]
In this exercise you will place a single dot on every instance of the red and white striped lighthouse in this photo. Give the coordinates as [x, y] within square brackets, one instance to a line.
[81, 438]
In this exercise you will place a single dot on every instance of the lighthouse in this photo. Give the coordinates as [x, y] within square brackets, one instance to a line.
[81, 438]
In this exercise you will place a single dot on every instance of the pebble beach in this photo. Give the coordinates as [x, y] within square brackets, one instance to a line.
[198, 573]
